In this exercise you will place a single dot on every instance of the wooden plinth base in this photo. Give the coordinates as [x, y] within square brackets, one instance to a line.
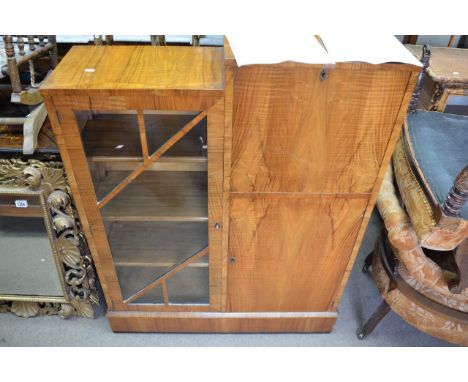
[315, 322]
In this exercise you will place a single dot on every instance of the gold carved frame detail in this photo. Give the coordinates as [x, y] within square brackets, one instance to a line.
[68, 244]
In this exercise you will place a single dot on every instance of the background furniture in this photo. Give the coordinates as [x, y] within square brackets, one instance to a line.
[218, 198]
[446, 86]
[421, 270]
[11, 143]
[45, 267]
[17, 54]
[158, 40]
[413, 39]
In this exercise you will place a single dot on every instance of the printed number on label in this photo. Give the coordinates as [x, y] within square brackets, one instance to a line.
[21, 203]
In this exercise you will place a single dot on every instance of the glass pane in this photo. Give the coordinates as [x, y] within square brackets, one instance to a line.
[144, 251]
[160, 195]
[154, 296]
[160, 218]
[190, 285]
[111, 141]
[457, 104]
[160, 126]
[27, 264]
[134, 279]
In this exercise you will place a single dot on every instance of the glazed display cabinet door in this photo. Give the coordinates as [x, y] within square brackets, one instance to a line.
[158, 197]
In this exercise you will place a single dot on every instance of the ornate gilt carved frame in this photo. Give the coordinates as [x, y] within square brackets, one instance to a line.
[74, 264]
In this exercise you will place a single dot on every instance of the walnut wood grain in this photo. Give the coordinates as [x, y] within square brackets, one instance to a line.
[294, 163]
[230, 68]
[191, 322]
[331, 139]
[395, 134]
[284, 246]
[215, 201]
[139, 67]
[334, 141]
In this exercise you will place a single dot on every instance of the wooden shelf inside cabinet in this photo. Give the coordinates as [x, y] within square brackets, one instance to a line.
[146, 251]
[156, 196]
[162, 245]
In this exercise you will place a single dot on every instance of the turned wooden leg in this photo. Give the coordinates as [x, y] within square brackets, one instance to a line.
[426, 55]
[53, 53]
[368, 262]
[196, 40]
[13, 70]
[454, 203]
[158, 39]
[373, 320]
[32, 47]
[98, 40]
[458, 195]
[20, 43]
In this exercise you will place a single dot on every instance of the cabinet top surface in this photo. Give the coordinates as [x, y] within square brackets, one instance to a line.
[139, 67]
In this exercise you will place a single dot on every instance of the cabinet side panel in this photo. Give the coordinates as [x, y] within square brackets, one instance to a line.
[293, 132]
[288, 252]
[378, 182]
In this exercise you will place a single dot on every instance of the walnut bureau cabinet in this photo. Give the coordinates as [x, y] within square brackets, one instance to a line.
[218, 198]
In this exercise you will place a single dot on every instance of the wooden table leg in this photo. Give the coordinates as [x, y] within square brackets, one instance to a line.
[374, 320]
[367, 262]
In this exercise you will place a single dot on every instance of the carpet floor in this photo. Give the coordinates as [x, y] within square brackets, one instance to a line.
[359, 301]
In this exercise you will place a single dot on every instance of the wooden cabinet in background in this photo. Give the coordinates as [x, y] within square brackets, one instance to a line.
[218, 198]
